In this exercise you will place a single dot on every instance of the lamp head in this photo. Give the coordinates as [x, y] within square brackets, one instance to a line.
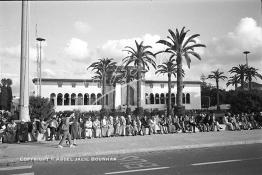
[40, 39]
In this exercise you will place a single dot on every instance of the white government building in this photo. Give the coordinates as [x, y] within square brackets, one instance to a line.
[85, 94]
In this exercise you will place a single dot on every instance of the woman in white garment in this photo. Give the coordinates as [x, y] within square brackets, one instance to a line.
[88, 128]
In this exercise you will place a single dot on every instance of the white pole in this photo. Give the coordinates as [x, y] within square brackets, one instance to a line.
[24, 65]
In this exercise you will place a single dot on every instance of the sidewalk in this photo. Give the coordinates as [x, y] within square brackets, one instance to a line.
[119, 145]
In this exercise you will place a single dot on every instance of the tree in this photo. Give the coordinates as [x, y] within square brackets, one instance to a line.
[245, 101]
[6, 94]
[234, 81]
[103, 69]
[40, 108]
[217, 75]
[240, 72]
[141, 57]
[170, 69]
[251, 73]
[9, 82]
[179, 46]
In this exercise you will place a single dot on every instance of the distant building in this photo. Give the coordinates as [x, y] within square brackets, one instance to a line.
[86, 94]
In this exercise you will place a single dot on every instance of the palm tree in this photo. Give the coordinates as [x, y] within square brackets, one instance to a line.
[170, 69]
[141, 57]
[234, 81]
[240, 71]
[251, 73]
[217, 75]
[103, 68]
[179, 46]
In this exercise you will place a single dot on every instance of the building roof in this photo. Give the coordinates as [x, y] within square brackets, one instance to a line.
[90, 80]
[165, 81]
[64, 80]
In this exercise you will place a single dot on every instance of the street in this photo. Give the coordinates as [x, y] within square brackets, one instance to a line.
[240, 159]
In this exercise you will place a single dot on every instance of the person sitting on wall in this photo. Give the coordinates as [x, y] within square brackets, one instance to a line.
[11, 131]
[22, 132]
[144, 124]
[227, 123]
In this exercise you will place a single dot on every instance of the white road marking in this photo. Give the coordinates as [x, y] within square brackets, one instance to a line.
[25, 174]
[217, 162]
[130, 171]
[15, 168]
[225, 161]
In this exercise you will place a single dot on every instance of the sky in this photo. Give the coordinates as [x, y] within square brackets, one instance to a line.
[78, 33]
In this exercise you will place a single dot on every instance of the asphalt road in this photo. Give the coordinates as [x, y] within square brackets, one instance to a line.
[230, 160]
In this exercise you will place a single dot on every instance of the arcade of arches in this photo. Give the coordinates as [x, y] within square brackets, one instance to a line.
[163, 98]
[77, 99]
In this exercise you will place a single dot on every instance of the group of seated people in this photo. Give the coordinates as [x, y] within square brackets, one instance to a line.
[86, 126]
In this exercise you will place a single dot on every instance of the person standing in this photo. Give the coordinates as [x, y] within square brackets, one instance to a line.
[53, 125]
[97, 128]
[74, 128]
[110, 124]
[117, 126]
[104, 126]
[88, 128]
[122, 126]
[65, 131]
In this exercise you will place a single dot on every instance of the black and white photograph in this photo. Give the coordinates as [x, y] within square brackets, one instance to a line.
[130, 87]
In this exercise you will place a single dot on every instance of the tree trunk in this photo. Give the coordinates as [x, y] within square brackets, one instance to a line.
[236, 86]
[114, 97]
[127, 88]
[249, 85]
[169, 107]
[218, 107]
[103, 89]
[242, 82]
[179, 85]
[139, 106]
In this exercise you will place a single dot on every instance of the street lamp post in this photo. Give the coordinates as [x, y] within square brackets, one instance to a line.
[246, 53]
[40, 64]
[24, 64]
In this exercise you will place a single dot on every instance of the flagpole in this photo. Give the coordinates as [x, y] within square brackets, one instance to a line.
[24, 64]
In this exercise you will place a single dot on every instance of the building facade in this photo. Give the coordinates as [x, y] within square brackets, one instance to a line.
[86, 94]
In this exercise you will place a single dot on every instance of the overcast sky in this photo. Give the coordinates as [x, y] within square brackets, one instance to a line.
[79, 33]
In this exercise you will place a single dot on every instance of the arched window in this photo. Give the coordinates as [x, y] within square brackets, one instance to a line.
[173, 99]
[106, 99]
[93, 99]
[66, 99]
[99, 99]
[59, 99]
[187, 98]
[80, 99]
[166, 98]
[157, 98]
[52, 98]
[86, 99]
[183, 99]
[152, 99]
[73, 99]
[146, 97]
[162, 98]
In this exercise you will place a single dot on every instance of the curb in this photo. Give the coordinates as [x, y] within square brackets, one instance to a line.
[11, 161]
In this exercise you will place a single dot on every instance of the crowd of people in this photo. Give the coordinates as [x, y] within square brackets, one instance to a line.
[71, 126]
